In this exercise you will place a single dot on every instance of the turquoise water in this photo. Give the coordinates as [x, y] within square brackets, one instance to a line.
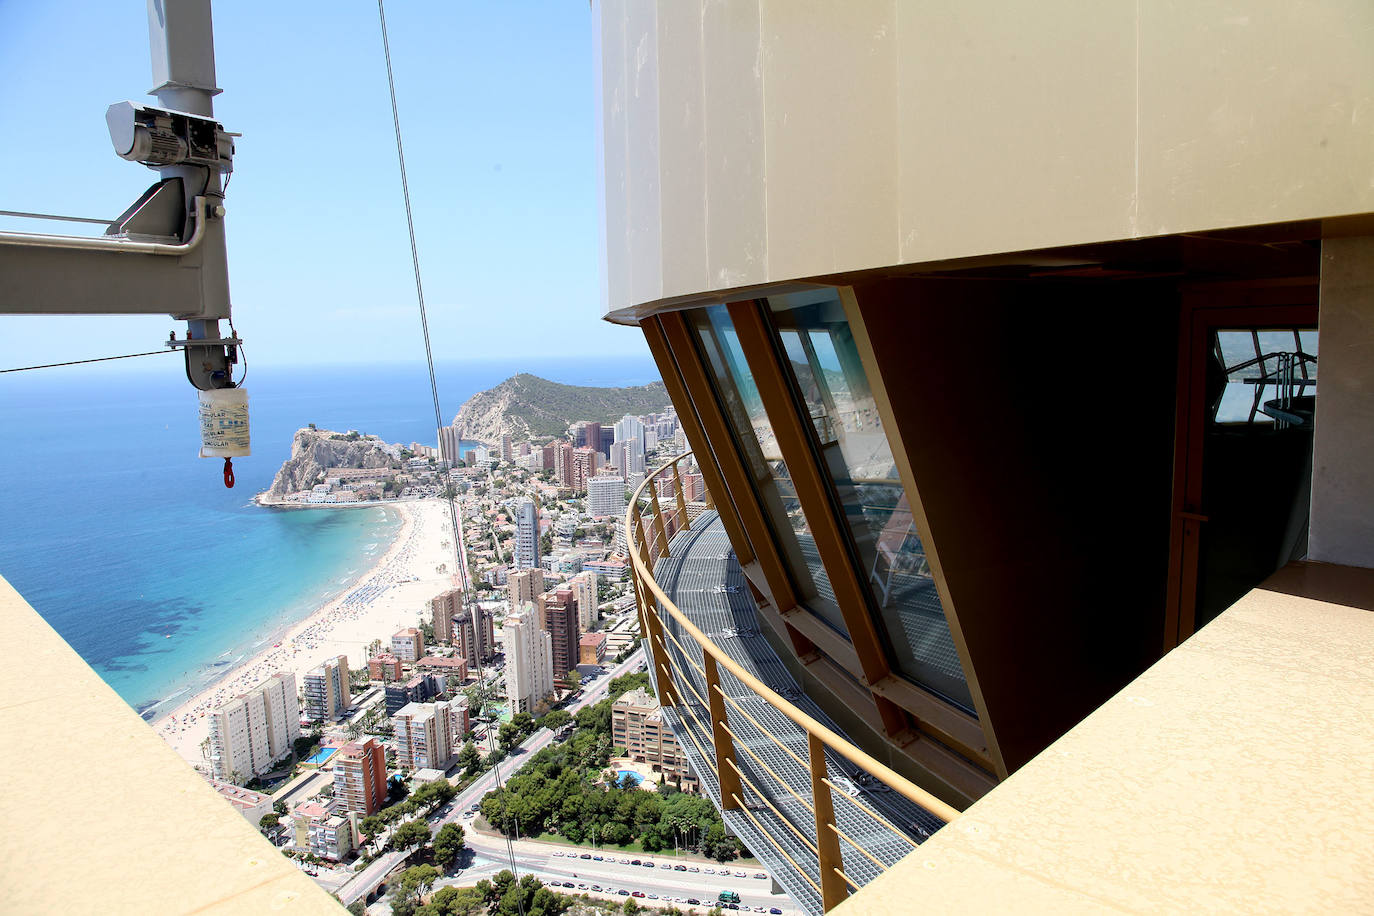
[132, 549]
[636, 778]
[321, 756]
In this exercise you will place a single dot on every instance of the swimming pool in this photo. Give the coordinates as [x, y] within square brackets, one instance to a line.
[634, 777]
[320, 756]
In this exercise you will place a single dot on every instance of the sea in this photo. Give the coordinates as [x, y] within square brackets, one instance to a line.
[130, 545]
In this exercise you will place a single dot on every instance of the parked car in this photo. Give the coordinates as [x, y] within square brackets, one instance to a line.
[585, 855]
[759, 874]
[693, 901]
[638, 894]
[679, 868]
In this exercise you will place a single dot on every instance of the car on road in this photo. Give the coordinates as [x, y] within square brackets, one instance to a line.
[622, 892]
[692, 901]
[581, 886]
[759, 874]
[648, 864]
[637, 894]
[775, 911]
[585, 855]
[709, 871]
[693, 868]
[667, 865]
[596, 887]
[634, 861]
[679, 868]
[598, 859]
[739, 874]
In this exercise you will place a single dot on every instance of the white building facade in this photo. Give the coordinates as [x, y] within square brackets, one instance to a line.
[529, 661]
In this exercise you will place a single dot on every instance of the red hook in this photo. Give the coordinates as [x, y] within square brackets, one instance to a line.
[229, 473]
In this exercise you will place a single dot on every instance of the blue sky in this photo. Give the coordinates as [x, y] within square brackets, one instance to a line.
[498, 107]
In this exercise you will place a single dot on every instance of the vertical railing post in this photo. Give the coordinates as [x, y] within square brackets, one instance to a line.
[833, 888]
[651, 625]
[662, 535]
[683, 520]
[730, 785]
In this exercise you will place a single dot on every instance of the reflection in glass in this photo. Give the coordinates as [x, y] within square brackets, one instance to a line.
[763, 459]
[820, 351]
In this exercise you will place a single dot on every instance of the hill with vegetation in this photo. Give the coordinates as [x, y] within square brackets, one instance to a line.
[526, 406]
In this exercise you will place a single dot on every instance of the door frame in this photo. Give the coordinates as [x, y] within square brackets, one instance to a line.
[1202, 310]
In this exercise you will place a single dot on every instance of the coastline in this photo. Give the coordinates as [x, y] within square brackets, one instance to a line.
[388, 596]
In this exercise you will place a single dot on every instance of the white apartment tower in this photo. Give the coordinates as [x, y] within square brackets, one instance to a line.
[524, 586]
[529, 661]
[326, 690]
[254, 729]
[584, 587]
[606, 496]
[428, 734]
[526, 535]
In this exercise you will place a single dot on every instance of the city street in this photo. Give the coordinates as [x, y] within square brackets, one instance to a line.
[365, 880]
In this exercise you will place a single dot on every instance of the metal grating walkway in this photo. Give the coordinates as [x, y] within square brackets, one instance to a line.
[705, 581]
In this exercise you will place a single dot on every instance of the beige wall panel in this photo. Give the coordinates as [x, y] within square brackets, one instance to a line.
[1343, 451]
[1254, 112]
[681, 118]
[1017, 125]
[830, 110]
[736, 226]
[613, 137]
[644, 210]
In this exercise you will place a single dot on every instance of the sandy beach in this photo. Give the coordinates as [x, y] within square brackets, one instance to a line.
[391, 595]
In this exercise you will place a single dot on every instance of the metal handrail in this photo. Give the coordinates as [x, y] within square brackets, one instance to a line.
[648, 539]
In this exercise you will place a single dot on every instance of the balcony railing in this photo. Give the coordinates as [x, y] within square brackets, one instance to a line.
[685, 663]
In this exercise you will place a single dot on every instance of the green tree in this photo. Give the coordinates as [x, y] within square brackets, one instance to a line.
[556, 719]
[371, 826]
[411, 833]
[574, 680]
[448, 842]
[469, 758]
[279, 807]
[269, 820]
[632, 907]
[357, 908]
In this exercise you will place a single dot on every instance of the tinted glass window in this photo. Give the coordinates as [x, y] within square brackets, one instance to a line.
[820, 351]
[739, 398]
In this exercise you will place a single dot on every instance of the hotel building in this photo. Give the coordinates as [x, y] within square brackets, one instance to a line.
[360, 776]
[559, 617]
[254, 729]
[529, 661]
[408, 644]
[443, 608]
[428, 734]
[584, 589]
[326, 690]
[637, 725]
[606, 496]
[526, 535]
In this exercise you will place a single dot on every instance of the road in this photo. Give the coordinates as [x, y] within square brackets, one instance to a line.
[554, 863]
[369, 877]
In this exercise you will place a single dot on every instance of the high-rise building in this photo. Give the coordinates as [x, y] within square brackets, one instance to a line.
[524, 587]
[592, 437]
[506, 455]
[428, 734]
[360, 776]
[584, 467]
[443, 608]
[526, 535]
[584, 588]
[450, 441]
[254, 729]
[326, 690]
[524, 450]
[606, 496]
[563, 464]
[560, 619]
[408, 644]
[549, 457]
[927, 552]
[474, 639]
[629, 427]
[529, 661]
